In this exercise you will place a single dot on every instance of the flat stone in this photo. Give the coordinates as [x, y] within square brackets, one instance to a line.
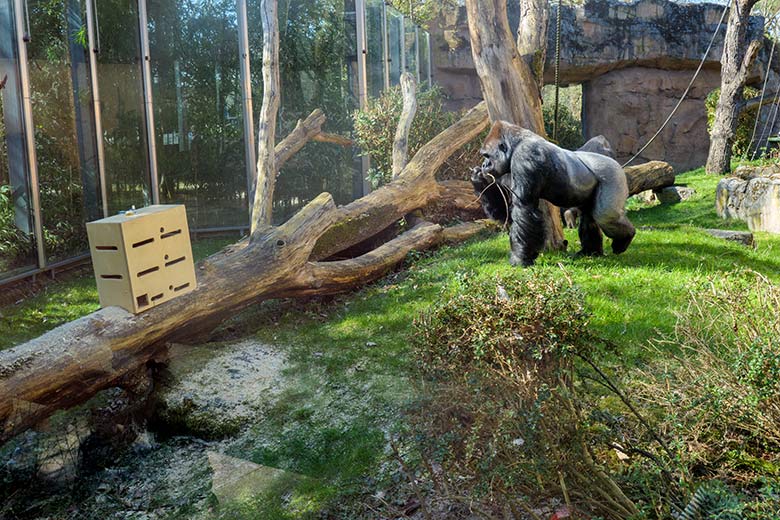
[752, 199]
[647, 196]
[742, 237]
[674, 194]
[237, 480]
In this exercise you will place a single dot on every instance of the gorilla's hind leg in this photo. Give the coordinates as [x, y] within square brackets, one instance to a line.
[591, 240]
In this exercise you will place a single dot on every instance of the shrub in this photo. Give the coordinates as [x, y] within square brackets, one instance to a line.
[569, 126]
[505, 426]
[375, 132]
[747, 117]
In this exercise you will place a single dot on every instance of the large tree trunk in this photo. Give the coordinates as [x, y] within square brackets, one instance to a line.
[738, 55]
[508, 85]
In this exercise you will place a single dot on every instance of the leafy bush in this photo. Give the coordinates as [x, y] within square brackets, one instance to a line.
[504, 427]
[747, 117]
[14, 245]
[375, 131]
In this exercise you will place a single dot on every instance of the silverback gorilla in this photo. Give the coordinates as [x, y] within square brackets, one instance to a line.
[520, 167]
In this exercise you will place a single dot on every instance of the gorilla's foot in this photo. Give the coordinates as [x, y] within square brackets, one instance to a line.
[515, 261]
[583, 252]
[621, 244]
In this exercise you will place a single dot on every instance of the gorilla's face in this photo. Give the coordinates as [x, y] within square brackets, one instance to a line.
[497, 157]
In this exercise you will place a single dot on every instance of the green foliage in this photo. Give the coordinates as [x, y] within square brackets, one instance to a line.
[14, 245]
[375, 132]
[745, 122]
[423, 12]
[569, 127]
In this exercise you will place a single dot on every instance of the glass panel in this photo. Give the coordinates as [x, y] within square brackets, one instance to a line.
[122, 105]
[425, 55]
[17, 245]
[395, 44]
[318, 70]
[375, 55]
[410, 48]
[198, 113]
[65, 141]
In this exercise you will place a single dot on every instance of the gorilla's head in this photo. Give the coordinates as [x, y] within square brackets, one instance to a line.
[497, 149]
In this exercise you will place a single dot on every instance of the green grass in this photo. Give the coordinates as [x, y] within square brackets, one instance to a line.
[339, 350]
[350, 370]
[61, 302]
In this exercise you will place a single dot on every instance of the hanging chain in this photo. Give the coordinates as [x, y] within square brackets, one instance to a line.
[557, 69]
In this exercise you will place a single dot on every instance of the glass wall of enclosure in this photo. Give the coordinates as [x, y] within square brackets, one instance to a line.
[118, 103]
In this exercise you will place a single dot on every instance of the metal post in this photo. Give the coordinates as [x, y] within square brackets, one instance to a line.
[29, 132]
[385, 46]
[360, 22]
[93, 67]
[430, 59]
[417, 53]
[146, 74]
[246, 94]
[403, 44]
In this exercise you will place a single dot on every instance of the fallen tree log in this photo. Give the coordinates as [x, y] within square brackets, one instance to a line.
[651, 175]
[73, 362]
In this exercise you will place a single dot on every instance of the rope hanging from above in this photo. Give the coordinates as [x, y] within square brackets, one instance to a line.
[557, 69]
[685, 94]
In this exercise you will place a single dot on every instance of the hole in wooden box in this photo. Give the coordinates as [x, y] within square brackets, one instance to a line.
[148, 271]
[111, 276]
[142, 300]
[106, 248]
[157, 297]
[180, 287]
[143, 242]
[170, 233]
[175, 261]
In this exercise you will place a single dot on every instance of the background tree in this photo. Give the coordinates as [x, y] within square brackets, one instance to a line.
[738, 56]
[509, 85]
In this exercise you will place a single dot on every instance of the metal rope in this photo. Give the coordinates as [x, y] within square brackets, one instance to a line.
[760, 103]
[695, 75]
[773, 116]
[557, 69]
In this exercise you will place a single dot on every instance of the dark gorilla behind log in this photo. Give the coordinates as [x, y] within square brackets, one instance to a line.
[538, 169]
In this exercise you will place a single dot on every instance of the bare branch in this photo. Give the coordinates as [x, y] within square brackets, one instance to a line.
[262, 207]
[401, 142]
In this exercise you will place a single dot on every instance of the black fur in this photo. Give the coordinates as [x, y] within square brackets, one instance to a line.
[531, 168]
[496, 198]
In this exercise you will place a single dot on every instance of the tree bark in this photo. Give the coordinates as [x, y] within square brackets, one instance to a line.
[738, 56]
[263, 197]
[401, 141]
[532, 36]
[508, 84]
[649, 176]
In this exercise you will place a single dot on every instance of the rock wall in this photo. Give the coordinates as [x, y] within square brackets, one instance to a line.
[634, 61]
[753, 196]
[628, 106]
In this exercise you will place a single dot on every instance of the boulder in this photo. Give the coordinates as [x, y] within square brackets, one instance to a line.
[753, 199]
[674, 194]
[742, 237]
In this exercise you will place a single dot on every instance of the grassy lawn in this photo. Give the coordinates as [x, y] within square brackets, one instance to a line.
[350, 357]
[350, 370]
[61, 302]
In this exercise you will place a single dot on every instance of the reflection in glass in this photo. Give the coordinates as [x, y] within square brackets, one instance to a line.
[17, 245]
[410, 48]
[318, 70]
[423, 43]
[65, 140]
[197, 110]
[395, 44]
[122, 105]
[375, 59]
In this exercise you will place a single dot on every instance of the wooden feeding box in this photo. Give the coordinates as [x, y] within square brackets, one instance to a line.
[143, 257]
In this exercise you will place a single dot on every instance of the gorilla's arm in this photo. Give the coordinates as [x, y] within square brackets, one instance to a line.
[493, 195]
[526, 235]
